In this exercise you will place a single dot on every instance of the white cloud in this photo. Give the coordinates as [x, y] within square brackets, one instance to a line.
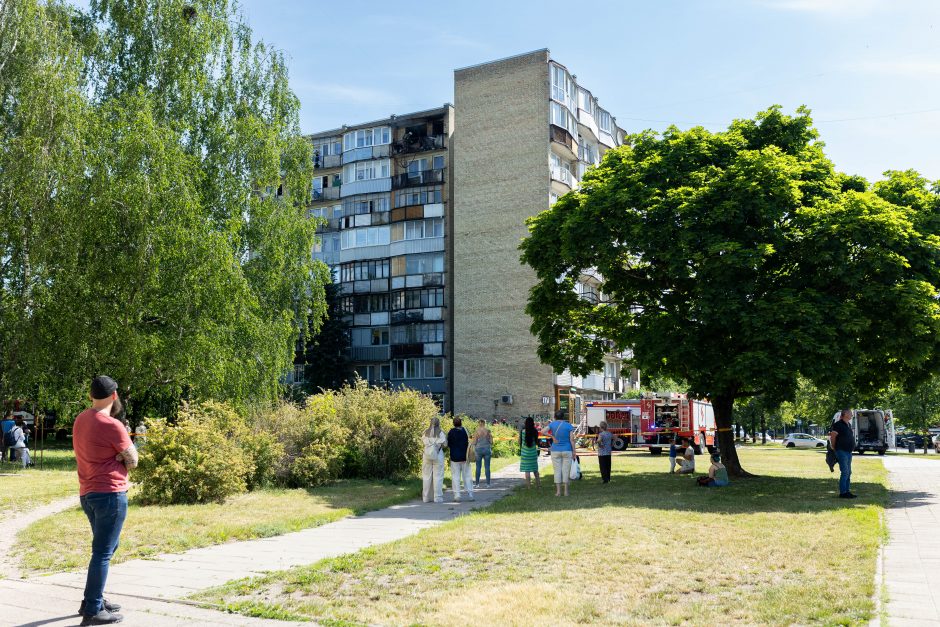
[351, 94]
[909, 68]
[842, 8]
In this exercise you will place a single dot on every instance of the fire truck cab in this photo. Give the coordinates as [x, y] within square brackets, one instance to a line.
[654, 420]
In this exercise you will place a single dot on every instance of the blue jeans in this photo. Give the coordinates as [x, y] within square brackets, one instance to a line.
[106, 512]
[845, 470]
[484, 455]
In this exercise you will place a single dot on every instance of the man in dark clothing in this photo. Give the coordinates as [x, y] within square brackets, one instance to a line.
[458, 440]
[842, 441]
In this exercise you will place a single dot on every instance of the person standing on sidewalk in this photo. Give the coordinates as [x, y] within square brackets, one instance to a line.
[483, 447]
[458, 441]
[104, 453]
[432, 466]
[842, 440]
[529, 452]
[605, 440]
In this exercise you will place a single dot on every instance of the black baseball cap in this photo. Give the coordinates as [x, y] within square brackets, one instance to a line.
[102, 387]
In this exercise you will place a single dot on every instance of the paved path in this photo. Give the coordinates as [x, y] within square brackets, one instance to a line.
[911, 566]
[147, 585]
[9, 566]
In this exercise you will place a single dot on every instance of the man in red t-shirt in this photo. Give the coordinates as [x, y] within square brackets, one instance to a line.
[104, 453]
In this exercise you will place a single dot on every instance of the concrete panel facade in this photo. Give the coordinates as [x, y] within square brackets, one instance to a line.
[501, 177]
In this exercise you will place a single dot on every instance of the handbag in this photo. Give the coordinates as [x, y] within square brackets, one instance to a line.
[575, 473]
[471, 450]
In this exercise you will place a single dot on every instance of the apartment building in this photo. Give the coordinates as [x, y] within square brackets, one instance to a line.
[423, 216]
[526, 131]
[383, 193]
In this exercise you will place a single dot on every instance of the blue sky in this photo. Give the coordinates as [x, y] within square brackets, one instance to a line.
[870, 71]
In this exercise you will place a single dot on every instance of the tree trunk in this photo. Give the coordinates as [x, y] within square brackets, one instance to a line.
[763, 428]
[753, 429]
[723, 406]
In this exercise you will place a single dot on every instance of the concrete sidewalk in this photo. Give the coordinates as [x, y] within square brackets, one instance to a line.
[911, 565]
[144, 586]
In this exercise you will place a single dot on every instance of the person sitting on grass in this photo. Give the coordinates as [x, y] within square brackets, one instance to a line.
[717, 474]
[687, 462]
[673, 454]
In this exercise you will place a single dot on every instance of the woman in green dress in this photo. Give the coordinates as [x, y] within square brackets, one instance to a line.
[529, 452]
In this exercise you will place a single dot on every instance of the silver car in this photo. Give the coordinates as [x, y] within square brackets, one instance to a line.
[803, 440]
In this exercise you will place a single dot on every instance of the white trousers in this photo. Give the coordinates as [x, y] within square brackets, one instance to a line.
[561, 462]
[24, 455]
[686, 467]
[460, 473]
[432, 476]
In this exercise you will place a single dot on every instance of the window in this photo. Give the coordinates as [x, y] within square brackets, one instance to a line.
[365, 270]
[586, 101]
[366, 170]
[418, 229]
[603, 120]
[438, 162]
[368, 236]
[560, 116]
[364, 303]
[562, 86]
[417, 299]
[418, 333]
[418, 264]
[418, 196]
[329, 147]
[422, 368]
[298, 374]
[380, 372]
[368, 203]
[367, 137]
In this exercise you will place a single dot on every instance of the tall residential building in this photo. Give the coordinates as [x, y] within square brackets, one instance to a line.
[525, 133]
[383, 189]
[424, 214]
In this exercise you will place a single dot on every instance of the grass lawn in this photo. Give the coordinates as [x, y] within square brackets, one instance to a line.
[649, 548]
[61, 542]
[22, 489]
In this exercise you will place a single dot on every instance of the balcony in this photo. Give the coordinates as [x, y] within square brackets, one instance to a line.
[366, 152]
[327, 193]
[408, 350]
[327, 161]
[564, 138]
[425, 177]
[369, 353]
[563, 176]
[411, 144]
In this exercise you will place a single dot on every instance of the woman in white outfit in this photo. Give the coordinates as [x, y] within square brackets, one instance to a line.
[19, 447]
[432, 466]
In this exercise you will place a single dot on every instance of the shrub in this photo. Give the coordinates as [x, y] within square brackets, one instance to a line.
[313, 440]
[208, 454]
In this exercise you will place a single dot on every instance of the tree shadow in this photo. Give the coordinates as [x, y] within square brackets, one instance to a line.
[662, 491]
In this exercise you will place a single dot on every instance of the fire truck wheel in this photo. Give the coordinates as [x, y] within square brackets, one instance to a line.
[655, 450]
[711, 449]
[619, 444]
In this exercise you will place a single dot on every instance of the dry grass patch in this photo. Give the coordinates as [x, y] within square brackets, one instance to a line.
[61, 542]
[650, 548]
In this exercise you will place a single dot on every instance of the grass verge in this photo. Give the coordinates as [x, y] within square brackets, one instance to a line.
[649, 548]
[60, 542]
[23, 489]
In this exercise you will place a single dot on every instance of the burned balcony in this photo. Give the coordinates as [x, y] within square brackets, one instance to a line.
[411, 142]
[561, 136]
[412, 179]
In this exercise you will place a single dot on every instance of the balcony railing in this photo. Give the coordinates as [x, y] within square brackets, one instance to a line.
[562, 175]
[370, 353]
[327, 161]
[366, 152]
[560, 135]
[409, 144]
[327, 193]
[425, 177]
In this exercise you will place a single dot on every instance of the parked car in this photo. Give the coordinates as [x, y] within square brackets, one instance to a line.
[916, 438]
[803, 440]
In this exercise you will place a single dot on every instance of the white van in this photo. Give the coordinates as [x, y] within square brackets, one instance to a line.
[873, 429]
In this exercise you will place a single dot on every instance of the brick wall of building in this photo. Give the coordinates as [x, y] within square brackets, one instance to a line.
[501, 177]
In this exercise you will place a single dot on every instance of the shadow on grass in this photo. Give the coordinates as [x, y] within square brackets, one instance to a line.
[663, 491]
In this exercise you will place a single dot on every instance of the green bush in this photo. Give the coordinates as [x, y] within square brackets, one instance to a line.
[208, 454]
[385, 430]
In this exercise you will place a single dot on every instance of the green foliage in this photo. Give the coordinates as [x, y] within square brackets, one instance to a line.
[137, 138]
[737, 261]
[208, 454]
[325, 357]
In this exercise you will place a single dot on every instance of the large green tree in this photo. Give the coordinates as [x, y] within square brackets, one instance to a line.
[153, 190]
[736, 261]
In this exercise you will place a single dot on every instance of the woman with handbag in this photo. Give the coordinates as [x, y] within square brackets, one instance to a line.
[563, 450]
[529, 452]
[432, 465]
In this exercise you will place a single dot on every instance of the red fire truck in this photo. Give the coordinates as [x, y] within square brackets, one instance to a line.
[652, 421]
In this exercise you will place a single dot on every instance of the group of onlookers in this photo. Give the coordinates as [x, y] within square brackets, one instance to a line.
[15, 438]
[463, 449]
